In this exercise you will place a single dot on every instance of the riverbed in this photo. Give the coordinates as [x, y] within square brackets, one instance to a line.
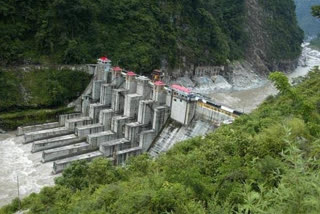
[17, 162]
[247, 100]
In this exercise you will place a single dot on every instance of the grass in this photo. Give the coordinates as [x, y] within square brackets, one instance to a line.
[10, 121]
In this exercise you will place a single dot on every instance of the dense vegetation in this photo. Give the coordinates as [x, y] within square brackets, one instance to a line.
[140, 35]
[309, 24]
[21, 91]
[135, 33]
[265, 162]
[284, 35]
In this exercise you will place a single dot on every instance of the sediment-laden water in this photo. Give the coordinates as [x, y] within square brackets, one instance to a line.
[18, 163]
[247, 100]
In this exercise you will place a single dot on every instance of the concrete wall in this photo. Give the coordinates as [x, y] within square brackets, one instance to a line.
[179, 110]
[211, 115]
[146, 139]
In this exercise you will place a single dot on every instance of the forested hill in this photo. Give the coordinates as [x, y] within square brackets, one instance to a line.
[145, 34]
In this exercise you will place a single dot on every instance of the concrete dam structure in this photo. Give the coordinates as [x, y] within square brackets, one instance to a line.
[123, 115]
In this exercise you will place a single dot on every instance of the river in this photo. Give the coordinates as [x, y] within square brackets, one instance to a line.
[248, 100]
[16, 160]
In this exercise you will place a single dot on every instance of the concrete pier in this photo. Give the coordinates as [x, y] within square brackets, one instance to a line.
[118, 125]
[39, 127]
[106, 94]
[55, 142]
[131, 105]
[106, 118]
[132, 132]
[94, 111]
[66, 151]
[122, 156]
[47, 133]
[89, 129]
[111, 147]
[64, 117]
[98, 138]
[60, 165]
[117, 103]
[73, 123]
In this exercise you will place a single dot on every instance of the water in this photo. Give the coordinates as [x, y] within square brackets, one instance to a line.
[248, 100]
[17, 160]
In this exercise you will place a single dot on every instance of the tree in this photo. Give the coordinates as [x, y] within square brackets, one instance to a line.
[315, 10]
[280, 81]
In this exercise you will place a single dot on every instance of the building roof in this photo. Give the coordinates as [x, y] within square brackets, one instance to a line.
[104, 59]
[131, 73]
[117, 68]
[159, 83]
[181, 88]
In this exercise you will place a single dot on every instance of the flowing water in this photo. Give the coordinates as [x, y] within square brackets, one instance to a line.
[16, 160]
[17, 163]
[248, 100]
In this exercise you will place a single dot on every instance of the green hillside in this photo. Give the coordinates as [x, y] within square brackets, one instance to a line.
[36, 96]
[265, 162]
[137, 34]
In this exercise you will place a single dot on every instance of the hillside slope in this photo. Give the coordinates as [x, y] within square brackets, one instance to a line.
[274, 35]
[265, 162]
[146, 34]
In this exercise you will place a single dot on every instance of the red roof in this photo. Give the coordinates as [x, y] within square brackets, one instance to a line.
[181, 88]
[130, 73]
[159, 83]
[104, 58]
[117, 68]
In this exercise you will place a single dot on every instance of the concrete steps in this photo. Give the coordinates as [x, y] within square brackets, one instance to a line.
[47, 133]
[60, 165]
[66, 151]
[55, 142]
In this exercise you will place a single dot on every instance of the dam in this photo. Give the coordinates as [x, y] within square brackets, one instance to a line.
[122, 114]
